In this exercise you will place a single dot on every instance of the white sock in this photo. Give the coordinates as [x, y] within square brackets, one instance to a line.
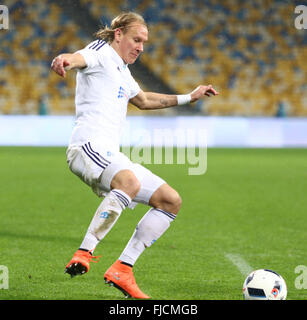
[151, 227]
[105, 217]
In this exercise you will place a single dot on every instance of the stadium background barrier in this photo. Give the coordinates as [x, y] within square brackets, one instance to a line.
[180, 131]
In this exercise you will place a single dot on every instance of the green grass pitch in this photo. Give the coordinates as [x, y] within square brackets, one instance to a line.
[250, 202]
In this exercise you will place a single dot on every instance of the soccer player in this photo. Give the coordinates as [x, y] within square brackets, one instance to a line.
[104, 86]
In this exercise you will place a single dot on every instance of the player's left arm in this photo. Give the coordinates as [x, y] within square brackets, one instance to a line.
[152, 100]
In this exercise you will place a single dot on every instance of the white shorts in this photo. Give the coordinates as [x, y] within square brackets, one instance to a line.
[97, 167]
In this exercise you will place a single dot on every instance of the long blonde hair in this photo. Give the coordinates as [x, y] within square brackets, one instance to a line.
[122, 21]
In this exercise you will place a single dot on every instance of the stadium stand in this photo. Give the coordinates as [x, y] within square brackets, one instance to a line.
[38, 31]
[250, 51]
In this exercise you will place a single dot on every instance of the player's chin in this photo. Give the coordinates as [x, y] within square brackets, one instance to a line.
[132, 59]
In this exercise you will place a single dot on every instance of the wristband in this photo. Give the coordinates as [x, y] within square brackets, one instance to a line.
[183, 99]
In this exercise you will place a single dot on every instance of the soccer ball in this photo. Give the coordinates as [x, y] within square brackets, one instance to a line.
[264, 284]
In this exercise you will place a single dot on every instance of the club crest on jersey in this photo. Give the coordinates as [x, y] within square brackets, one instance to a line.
[122, 93]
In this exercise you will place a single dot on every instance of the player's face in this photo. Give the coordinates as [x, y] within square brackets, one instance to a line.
[131, 43]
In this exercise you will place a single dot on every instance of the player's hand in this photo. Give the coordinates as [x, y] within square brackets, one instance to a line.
[59, 65]
[201, 91]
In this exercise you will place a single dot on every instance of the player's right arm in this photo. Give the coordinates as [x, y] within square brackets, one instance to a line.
[67, 61]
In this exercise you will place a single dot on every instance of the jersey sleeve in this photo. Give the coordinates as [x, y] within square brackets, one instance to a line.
[134, 88]
[92, 55]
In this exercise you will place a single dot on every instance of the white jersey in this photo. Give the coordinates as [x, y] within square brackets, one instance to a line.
[103, 91]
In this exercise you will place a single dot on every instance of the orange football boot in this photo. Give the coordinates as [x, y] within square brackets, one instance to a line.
[80, 262]
[121, 277]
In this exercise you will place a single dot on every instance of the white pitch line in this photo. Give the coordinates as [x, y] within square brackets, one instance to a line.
[240, 263]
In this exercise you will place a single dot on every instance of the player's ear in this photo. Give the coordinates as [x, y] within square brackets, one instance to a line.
[117, 34]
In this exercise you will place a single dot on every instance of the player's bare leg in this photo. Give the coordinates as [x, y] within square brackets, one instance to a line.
[166, 198]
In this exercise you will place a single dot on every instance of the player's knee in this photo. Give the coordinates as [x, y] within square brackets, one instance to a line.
[171, 202]
[126, 181]
[133, 185]
[166, 198]
[175, 202]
